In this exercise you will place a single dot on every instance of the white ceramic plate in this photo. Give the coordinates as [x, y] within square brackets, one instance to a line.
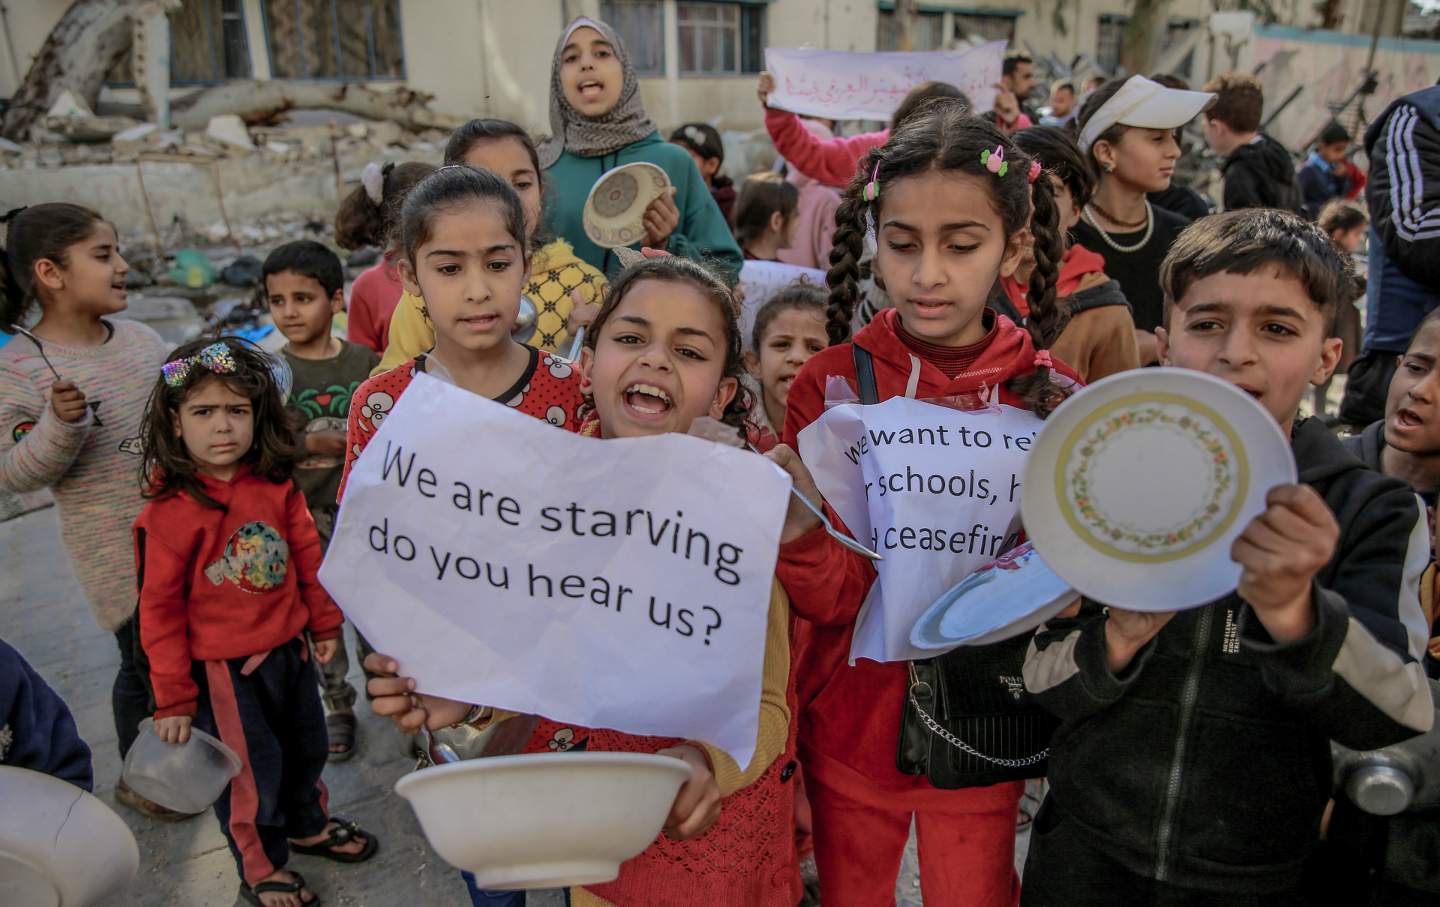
[1012, 595]
[614, 212]
[1137, 486]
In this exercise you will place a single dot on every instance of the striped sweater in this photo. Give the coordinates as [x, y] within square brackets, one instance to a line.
[93, 465]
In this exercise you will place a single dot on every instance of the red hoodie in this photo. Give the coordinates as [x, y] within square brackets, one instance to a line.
[219, 584]
[1079, 263]
[850, 718]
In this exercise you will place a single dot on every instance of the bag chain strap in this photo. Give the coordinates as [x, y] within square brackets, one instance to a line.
[939, 731]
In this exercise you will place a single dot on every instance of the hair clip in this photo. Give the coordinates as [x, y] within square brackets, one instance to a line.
[217, 358]
[1035, 168]
[1043, 360]
[995, 162]
[372, 178]
[872, 188]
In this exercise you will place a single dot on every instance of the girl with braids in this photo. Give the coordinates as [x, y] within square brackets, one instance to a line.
[664, 352]
[1099, 337]
[367, 218]
[72, 394]
[949, 197]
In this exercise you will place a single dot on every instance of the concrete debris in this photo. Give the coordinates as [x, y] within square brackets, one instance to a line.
[9, 147]
[229, 129]
[68, 105]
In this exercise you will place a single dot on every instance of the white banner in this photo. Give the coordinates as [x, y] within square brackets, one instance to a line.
[933, 489]
[869, 86]
[763, 279]
[612, 584]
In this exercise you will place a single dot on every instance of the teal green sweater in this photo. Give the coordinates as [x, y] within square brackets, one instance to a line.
[703, 234]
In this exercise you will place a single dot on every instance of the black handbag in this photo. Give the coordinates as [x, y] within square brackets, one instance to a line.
[967, 719]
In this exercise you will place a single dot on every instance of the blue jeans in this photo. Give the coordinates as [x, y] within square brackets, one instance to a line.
[497, 898]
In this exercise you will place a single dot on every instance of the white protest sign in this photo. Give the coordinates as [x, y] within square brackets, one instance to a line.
[869, 86]
[934, 489]
[612, 584]
[763, 279]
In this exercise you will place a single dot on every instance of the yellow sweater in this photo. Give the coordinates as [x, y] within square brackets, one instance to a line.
[554, 272]
[774, 730]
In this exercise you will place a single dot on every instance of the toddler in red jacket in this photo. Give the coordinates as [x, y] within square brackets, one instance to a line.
[227, 555]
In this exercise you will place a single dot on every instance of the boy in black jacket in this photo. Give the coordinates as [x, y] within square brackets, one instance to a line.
[1192, 764]
[1259, 172]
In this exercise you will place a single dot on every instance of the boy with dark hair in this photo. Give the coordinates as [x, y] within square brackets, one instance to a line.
[1192, 764]
[1062, 105]
[1328, 173]
[305, 287]
[1258, 170]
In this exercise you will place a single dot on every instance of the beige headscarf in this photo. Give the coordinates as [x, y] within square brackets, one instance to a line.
[584, 136]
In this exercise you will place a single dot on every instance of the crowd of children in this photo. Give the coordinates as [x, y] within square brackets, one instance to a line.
[198, 488]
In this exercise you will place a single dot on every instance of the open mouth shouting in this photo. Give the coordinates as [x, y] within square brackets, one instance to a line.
[646, 401]
[591, 89]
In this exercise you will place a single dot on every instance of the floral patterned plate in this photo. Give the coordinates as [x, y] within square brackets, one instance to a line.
[614, 212]
[1137, 486]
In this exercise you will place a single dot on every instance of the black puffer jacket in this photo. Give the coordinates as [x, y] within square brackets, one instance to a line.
[1206, 762]
[1403, 194]
[1261, 175]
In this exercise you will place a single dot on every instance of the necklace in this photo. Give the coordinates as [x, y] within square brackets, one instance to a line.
[1149, 230]
[1128, 225]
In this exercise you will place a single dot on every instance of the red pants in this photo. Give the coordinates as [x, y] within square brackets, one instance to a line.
[967, 859]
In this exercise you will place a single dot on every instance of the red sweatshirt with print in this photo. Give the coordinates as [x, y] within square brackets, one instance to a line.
[850, 715]
[226, 583]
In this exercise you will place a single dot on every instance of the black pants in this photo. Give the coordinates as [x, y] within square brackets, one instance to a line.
[1066, 869]
[130, 695]
[1366, 386]
[272, 719]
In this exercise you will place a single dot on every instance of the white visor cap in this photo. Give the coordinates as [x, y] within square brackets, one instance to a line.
[1146, 104]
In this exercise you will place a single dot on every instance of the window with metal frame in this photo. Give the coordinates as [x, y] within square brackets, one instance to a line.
[334, 39]
[984, 27]
[717, 38]
[927, 31]
[641, 25]
[207, 45]
[1112, 35]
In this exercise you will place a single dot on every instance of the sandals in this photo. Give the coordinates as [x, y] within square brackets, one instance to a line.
[124, 794]
[341, 729]
[344, 832]
[252, 894]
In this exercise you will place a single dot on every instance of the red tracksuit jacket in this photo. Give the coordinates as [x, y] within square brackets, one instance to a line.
[220, 584]
[850, 716]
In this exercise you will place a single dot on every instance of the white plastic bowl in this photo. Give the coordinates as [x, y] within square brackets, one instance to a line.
[547, 820]
[59, 844]
[186, 777]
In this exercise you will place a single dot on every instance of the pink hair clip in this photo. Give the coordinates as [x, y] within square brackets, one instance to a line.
[1043, 360]
[872, 188]
[995, 162]
[1035, 169]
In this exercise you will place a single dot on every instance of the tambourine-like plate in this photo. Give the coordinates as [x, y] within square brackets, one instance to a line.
[614, 213]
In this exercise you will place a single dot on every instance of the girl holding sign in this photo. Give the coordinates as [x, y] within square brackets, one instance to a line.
[663, 353]
[950, 197]
[597, 123]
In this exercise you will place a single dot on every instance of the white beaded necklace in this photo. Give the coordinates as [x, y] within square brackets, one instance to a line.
[1149, 230]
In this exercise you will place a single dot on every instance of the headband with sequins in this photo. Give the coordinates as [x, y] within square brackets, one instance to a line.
[217, 358]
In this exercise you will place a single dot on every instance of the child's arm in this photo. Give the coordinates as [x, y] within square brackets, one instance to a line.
[38, 457]
[164, 629]
[829, 161]
[37, 730]
[306, 553]
[411, 334]
[1344, 656]
[1082, 664]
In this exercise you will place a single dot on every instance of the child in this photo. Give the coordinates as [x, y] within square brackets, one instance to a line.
[227, 555]
[789, 329]
[1127, 135]
[1222, 716]
[1099, 335]
[556, 274]
[1406, 443]
[703, 142]
[1328, 174]
[305, 286]
[37, 730]
[367, 218]
[765, 216]
[814, 214]
[1346, 223]
[948, 229]
[668, 322]
[70, 415]
[1062, 105]
[833, 161]
[1258, 170]
[597, 123]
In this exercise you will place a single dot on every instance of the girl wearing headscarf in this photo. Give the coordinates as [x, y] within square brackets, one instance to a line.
[598, 123]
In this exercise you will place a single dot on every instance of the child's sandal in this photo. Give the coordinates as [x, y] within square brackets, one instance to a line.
[345, 831]
[251, 894]
[340, 727]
